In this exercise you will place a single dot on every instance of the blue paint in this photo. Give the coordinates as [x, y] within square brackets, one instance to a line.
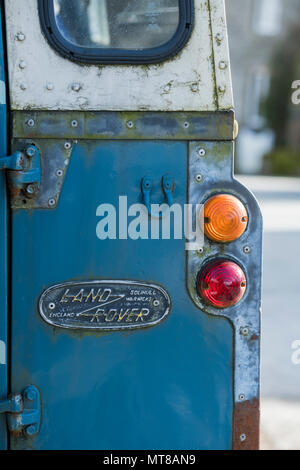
[3, 240]
[167, 387]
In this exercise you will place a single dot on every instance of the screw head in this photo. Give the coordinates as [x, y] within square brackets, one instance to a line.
[22, 64]
[222, 65]
[222, 88]
[68, 145]
[245, 331]
[130, 124]
[23, 86]
[156, 303]
[31, 430]
[247, 250]
[201, 152]
[200, 251]
[219, 37]
[243, 437]
[186, 125]
[51, 202]
[74, 123]
[194, 87]
[30, 152]
[242, 397]
[199, 178]
[30, 123]
[59, 173]
[51, 305]
[30, 394]
[31, 189]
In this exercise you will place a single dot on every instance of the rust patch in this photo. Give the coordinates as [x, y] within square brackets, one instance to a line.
[246, 425]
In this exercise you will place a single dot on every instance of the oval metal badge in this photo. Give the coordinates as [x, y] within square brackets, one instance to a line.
[104, 305]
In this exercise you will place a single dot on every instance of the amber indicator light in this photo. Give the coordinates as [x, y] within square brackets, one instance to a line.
[225, 218]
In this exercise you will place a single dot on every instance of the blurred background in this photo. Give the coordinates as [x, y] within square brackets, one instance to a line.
[264, 39]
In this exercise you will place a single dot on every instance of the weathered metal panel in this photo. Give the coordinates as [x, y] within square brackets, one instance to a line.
[165, 387]
[124, 125]
[56, 134]
[3, 246]
[214, 161]
[41, 79]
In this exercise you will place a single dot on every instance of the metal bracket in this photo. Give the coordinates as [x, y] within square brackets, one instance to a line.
[23, 411]
[24, 170]
[168, 189]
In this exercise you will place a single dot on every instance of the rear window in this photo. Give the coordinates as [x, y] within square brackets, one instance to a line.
[116, 31]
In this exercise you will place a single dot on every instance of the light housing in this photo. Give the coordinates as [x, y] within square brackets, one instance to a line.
[225, 218]
[221, 283]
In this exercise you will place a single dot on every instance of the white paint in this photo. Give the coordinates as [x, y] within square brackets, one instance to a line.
[2, 92]
[2, 353]
[118, 87]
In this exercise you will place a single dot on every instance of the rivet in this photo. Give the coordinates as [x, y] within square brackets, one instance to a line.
[59, 173]
[167, 88]
[242, 397]
[201, 152]
[51, 305]
[186, 125]
[222, 88]
[130, 124]
[200, 251]
[247, 250]
[74, 123]
[156, 303]
[51, 202]
[49, 86]
[222, 65]
[219, 37]
[20, 36]
[76, 87]
[30, 123]
[23, 86]
[22, 64]
[198, 178]
[67, 145]
[194, 87]
[243, 437]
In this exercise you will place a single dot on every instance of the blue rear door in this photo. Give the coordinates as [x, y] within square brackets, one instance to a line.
[164, 387]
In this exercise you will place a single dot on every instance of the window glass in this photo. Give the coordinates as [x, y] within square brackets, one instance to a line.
[117, 24]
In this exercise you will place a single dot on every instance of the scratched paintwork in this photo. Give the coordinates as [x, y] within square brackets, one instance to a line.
[3, 248]
[149, 388]
[217, 170]
[191, 382]
[125, 125]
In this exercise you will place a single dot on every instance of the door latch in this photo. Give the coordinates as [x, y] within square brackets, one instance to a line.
[24, 170]
[23, 411]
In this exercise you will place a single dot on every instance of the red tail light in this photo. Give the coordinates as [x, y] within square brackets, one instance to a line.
[221, 283]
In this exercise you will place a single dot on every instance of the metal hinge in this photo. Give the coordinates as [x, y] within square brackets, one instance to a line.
[24, 170]
[23, 411]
